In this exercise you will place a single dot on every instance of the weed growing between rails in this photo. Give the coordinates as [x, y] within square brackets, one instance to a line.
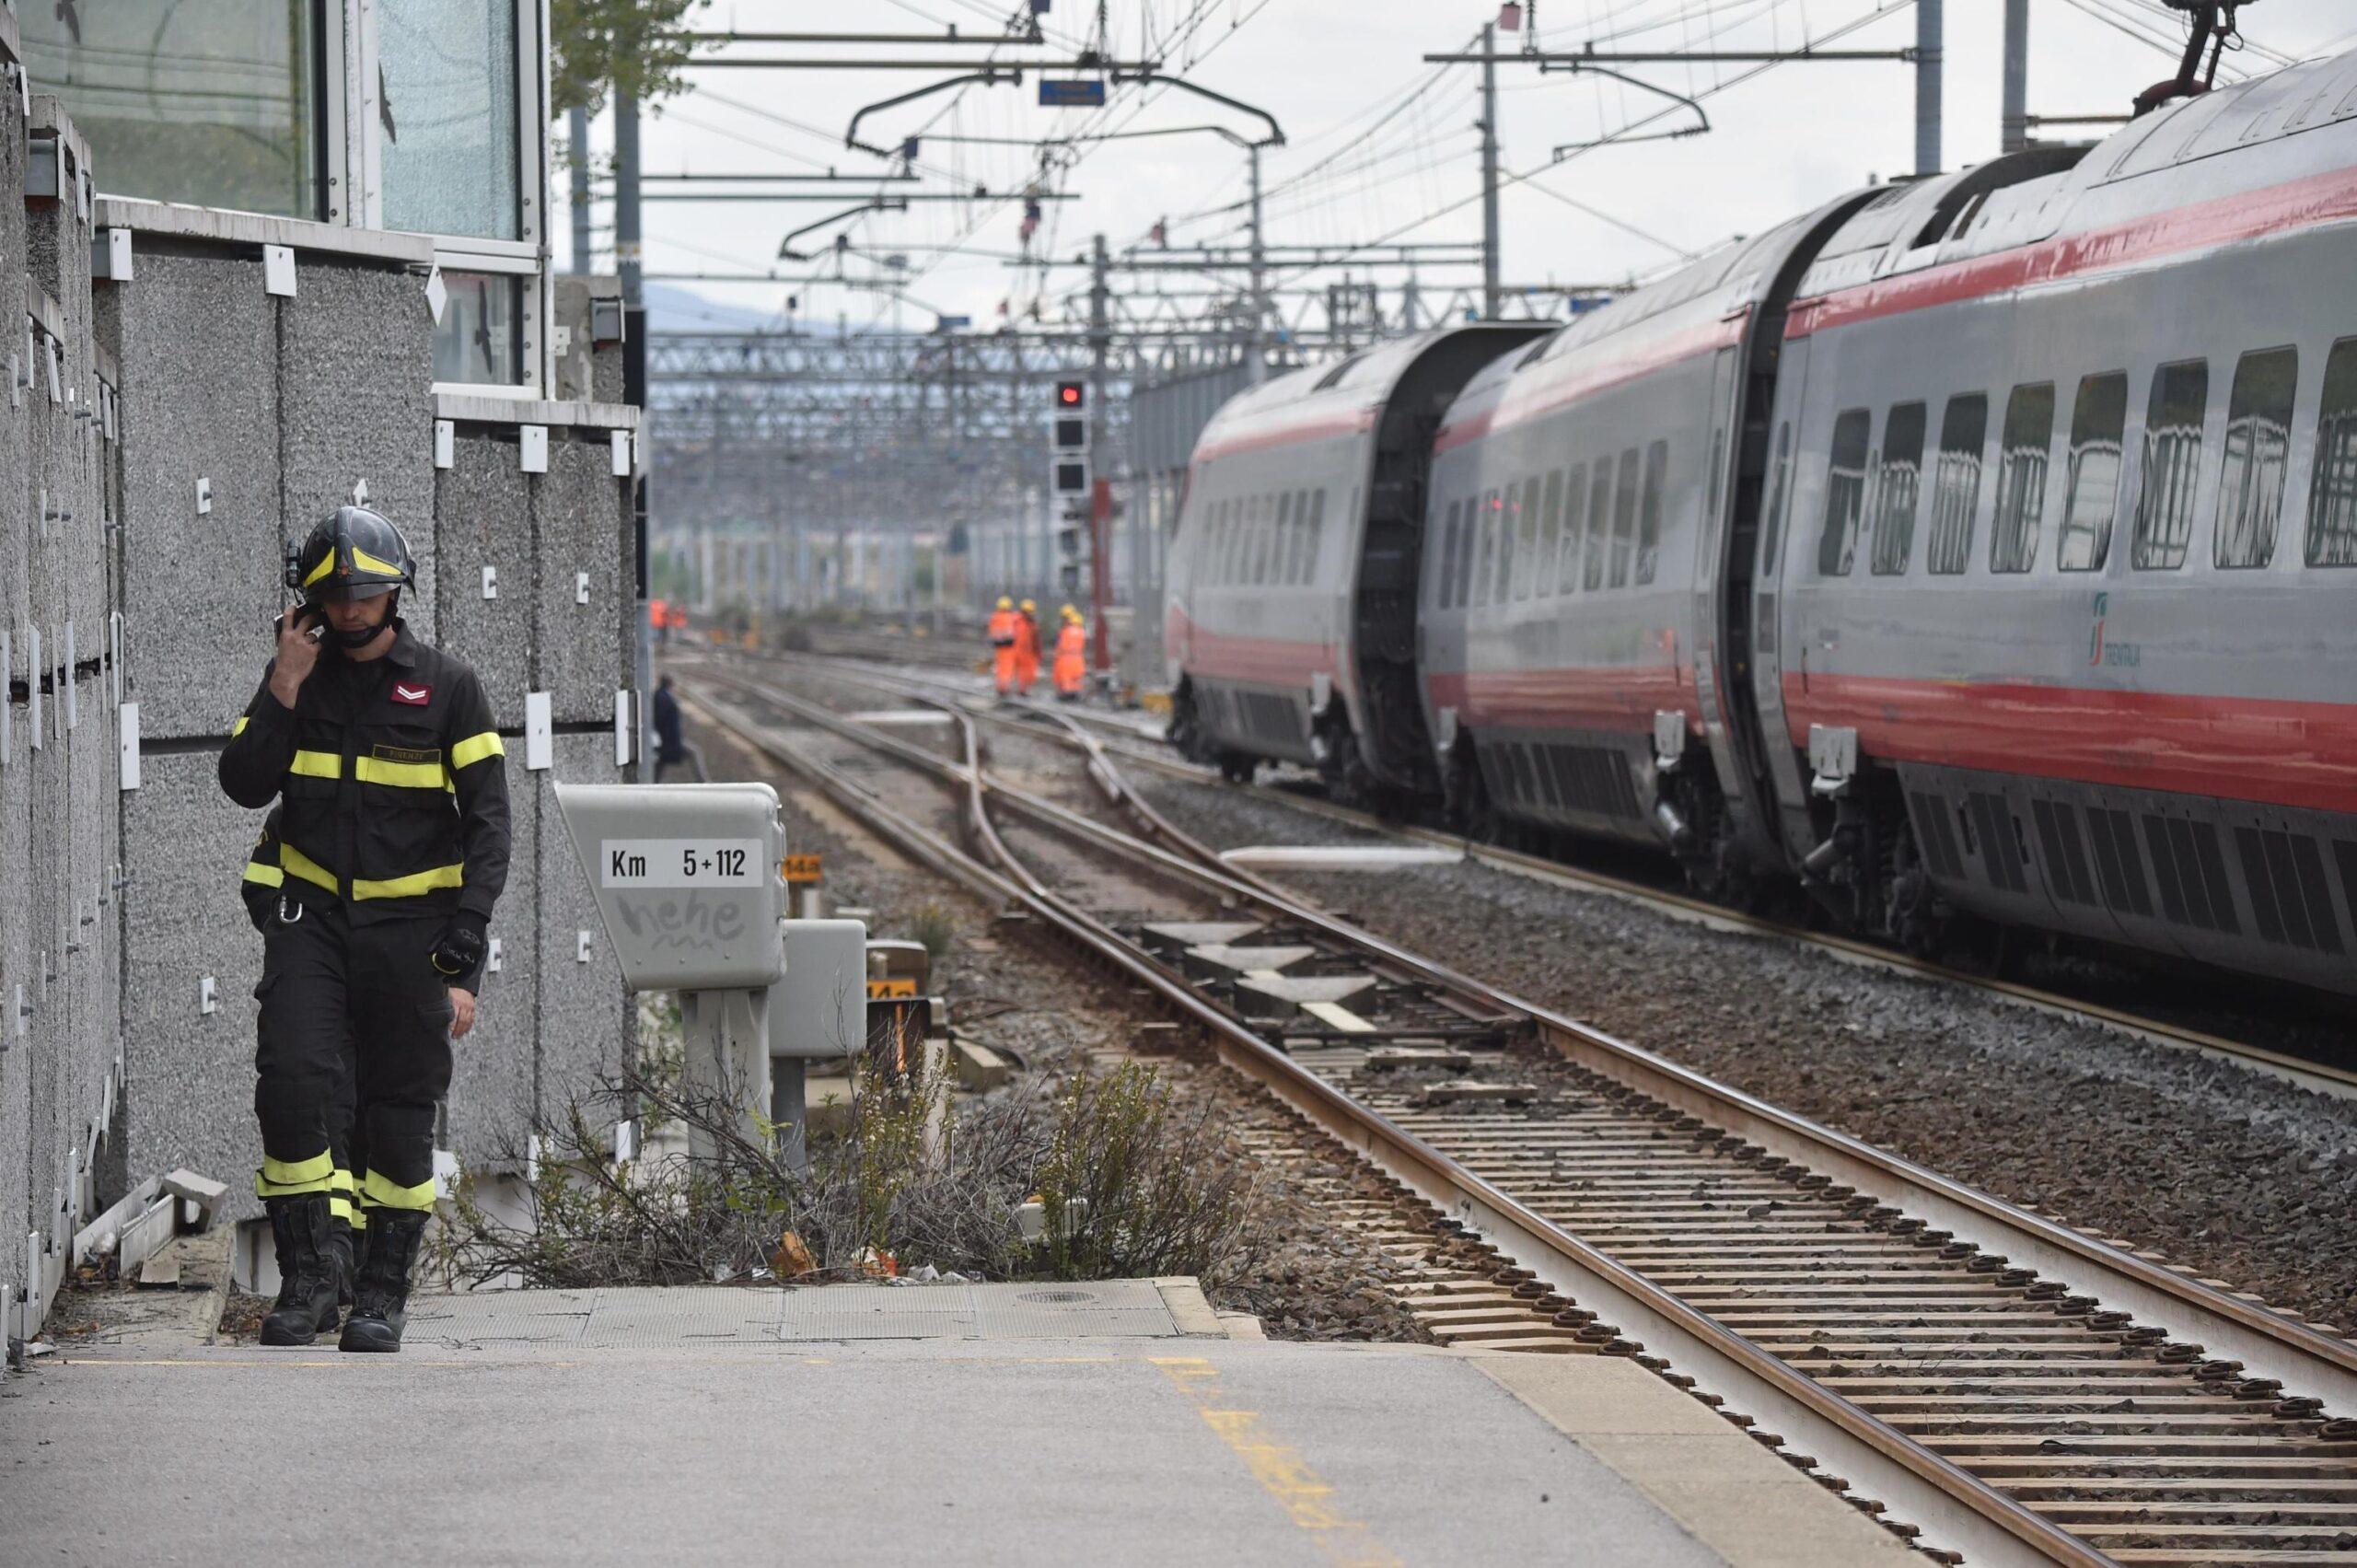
[1128, 1180]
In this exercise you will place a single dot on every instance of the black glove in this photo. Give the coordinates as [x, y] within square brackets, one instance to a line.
[460, 951]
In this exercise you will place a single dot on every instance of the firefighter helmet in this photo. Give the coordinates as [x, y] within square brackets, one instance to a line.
[1005, 602]
[352, 553]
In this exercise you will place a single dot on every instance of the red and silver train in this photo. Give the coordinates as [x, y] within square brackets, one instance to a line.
[1986, 543]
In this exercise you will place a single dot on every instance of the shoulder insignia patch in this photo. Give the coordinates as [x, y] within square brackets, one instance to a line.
[416, 696]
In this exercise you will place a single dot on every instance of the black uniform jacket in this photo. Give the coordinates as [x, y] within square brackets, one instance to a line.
[391, 782]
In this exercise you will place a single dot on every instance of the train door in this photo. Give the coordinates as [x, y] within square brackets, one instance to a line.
[1766, 601]
[1717, 589]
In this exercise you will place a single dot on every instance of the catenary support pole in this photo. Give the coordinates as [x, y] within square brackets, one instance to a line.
[1100, 491]
[1490, 171]
[2013, 129]
[576, 134]
[1260, 340]
[1928, 63]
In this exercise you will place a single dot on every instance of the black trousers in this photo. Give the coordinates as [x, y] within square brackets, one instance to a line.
[353, 1053]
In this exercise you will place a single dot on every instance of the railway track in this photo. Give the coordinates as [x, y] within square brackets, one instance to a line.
[2013, 1390]
[1122, 745]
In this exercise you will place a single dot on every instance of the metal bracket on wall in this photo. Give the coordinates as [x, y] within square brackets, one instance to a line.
[7, 711]
[438, 294]
[446, 444]
[492, 963]
[623, 460]
[532, 447]
[581, 588]
[129, 712]
[203, 495]
[110, 256]
[540, 744]
[278, 270]
[624, 729]
[32, 685]
[206, 1000]
[491, 582]
[581, 946]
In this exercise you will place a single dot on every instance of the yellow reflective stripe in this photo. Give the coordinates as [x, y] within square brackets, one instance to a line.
[340, 1180]
[383, 1192]
[340, 1208]
[475, 747]
[286, 1179]
[316, 765]
[400, 776]
[410, 886]
[363, 560]
[327, 564]
[359, 1217]
[297, 864]
[239, 727]
[268, 876]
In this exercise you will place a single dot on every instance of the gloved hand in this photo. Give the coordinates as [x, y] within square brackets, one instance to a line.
[458, 952]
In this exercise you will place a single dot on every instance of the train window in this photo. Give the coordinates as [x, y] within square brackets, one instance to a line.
[2332, 493]
[1445, 594]
[1956, 485]
[2021, 477]
[1465, 544]
[1301, 536]
[1624, 518]
[1649, 512]
[2259, 444]
[1317, 533]
[1485, 570]
[2172, 466]
[1543, 571]
[1567, 558]
[2091, 490]
[1216, 558]
[1845, 492]
[1525, 555]
[1898, 487]
[1773, 522]
[1508, 509]
[1278, 567]
[1599, 519]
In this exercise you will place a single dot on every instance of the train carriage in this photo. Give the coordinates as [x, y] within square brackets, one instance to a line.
[1289, 622]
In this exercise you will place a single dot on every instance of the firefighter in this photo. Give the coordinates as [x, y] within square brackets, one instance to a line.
[391, 851]
[1003, 631]
[1026, 648]
[1071, 655]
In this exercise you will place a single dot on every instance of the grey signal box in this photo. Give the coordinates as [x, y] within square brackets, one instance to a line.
[688, 879]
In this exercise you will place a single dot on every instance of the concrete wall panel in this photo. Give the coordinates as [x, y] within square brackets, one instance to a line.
[482, 512]
[587, 1021]
[200, 392]
[582, 526]
[495, 1080]
[190, 1095]
[354, 367]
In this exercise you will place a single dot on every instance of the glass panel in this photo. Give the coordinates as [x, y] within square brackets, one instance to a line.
[1624, 518]
[1649, 512]
[1599, 519]
[2172, 466]
[1955, 489]
[1567, 561]
[1899, 486]
[1770, 561]
[1464, 547]
[214, 104]
[1486, 573]
[2021, 477]
[481, 336]
[1270, 555]
[1845, 493]
[1317, 533]
[1525, 555]
[2098, 424]
[2332, 495]
[1551, 538]
[2259, 442]
[446, 76]
[1445, 596]
[1507, 508]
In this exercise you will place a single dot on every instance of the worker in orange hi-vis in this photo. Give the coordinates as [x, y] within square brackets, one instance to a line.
[1003, 627]
[1071, 655]
[659, 620]
[1026, 648]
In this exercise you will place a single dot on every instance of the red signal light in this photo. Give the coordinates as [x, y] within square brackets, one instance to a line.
[1069, 394]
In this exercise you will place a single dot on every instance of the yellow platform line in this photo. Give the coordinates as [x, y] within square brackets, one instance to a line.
[1305, 1497]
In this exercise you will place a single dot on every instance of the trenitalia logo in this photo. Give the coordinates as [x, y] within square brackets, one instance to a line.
[415, 696]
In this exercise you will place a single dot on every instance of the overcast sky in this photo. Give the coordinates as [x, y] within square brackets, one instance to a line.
[1377, 144]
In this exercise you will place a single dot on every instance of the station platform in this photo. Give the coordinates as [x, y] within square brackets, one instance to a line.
[1109, 1422]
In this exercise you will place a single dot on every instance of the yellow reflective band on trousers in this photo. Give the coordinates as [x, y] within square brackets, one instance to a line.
[475, 747]
[340, 1180]
[316, 765]
[382, 1191]
[340, 1208]
[268, 876]
[400, 776]
[410, 886]
[297, 864]
[239, 727]
[285, 1178]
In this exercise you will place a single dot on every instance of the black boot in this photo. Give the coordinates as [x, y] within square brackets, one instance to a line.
[341, 1241]
[305, 1307]
[381, 1299]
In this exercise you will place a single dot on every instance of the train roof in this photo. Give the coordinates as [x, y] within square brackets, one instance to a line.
[2270, 131]
[1331, 398]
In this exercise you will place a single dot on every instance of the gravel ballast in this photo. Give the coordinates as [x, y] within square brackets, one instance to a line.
[2238, 1173]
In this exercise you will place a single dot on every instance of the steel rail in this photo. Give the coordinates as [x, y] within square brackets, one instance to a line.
[1954, 1510]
